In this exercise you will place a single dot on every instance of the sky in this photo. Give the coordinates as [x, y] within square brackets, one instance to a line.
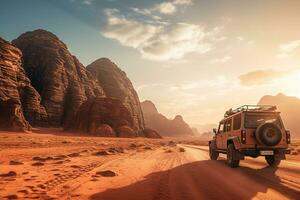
[196, 58]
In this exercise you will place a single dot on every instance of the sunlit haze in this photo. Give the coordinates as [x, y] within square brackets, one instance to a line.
[195, 58]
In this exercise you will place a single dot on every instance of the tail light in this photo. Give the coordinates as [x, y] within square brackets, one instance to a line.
[288, 137]
[243, 136]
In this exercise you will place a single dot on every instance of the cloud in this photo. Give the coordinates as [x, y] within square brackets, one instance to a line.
[166, 8]
[285, 50]
[171, 7]
[142, 11]
[220, 60]
[128, 32]
[175, 41]
[161, 41]
[87, 2]
[261, 77]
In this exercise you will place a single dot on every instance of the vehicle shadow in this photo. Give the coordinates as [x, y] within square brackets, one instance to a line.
[201, 180]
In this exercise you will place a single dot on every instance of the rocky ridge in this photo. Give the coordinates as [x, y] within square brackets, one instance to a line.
[163, 125]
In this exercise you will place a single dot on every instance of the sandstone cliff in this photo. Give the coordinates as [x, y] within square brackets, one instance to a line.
[117, 85]
[61, 80]
[16, 93]
[47, 86]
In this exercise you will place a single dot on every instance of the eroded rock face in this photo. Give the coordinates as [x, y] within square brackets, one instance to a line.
[61, 80]
[150, 133]
[117, 85]
[126, 132]
[16, 93]
[11, 117]
[96, 115]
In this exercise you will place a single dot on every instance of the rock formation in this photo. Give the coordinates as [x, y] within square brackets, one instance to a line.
[289, 108]
[150, 133]
[116, 84]
[16, 93]
[195, 131]
[61, 80]
[163, 125]
[99, 114]
[42, 84]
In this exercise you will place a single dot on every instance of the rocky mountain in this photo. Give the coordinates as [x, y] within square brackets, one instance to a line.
[163, 125]
[43, 84]
[289, 108]
[195, 131]
[61, 80]
[116, 84]
[206, 135]
[17, 96]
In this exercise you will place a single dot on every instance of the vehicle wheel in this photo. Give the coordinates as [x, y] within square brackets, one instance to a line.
[272, 161]
[268, 134]
[230, 151]
[212, 153]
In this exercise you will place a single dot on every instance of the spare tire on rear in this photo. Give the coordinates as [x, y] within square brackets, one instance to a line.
[268, 134]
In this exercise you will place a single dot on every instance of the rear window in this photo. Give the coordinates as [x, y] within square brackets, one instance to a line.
[254, 120]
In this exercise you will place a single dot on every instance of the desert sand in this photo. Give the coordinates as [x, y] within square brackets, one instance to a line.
[51, 166]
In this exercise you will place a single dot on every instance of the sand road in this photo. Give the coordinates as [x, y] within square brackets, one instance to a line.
[146, 170]
[192, 176]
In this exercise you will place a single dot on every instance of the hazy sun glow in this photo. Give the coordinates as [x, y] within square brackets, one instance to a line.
[194, 58]
[291, 84]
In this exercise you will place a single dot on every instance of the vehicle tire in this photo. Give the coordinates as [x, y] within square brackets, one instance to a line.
[268, 134]
[230, 152]
[213, 154]
[272, 161]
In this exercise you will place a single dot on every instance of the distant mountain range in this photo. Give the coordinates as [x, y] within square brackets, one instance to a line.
[289, 108]
[163, 125]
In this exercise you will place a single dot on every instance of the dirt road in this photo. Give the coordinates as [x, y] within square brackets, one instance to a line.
[192, 176]
[145, 170]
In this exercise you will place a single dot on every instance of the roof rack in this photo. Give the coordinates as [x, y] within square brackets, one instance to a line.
[261, 108]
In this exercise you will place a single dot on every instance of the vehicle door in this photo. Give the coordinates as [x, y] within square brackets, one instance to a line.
[236, 125]
[227, 132]
[219, 135]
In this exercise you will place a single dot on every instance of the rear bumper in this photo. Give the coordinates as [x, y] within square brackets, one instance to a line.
[256, 152]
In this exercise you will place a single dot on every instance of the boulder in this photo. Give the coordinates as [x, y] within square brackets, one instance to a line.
[98, 114]
[117, 85]
[61, 80]
[105, 130]
[126, 132]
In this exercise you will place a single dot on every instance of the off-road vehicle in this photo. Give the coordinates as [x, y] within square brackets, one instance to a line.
[251, 131]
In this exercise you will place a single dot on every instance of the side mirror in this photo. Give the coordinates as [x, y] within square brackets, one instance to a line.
[215, 130]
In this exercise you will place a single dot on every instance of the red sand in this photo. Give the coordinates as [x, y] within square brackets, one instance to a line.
[66, 168]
